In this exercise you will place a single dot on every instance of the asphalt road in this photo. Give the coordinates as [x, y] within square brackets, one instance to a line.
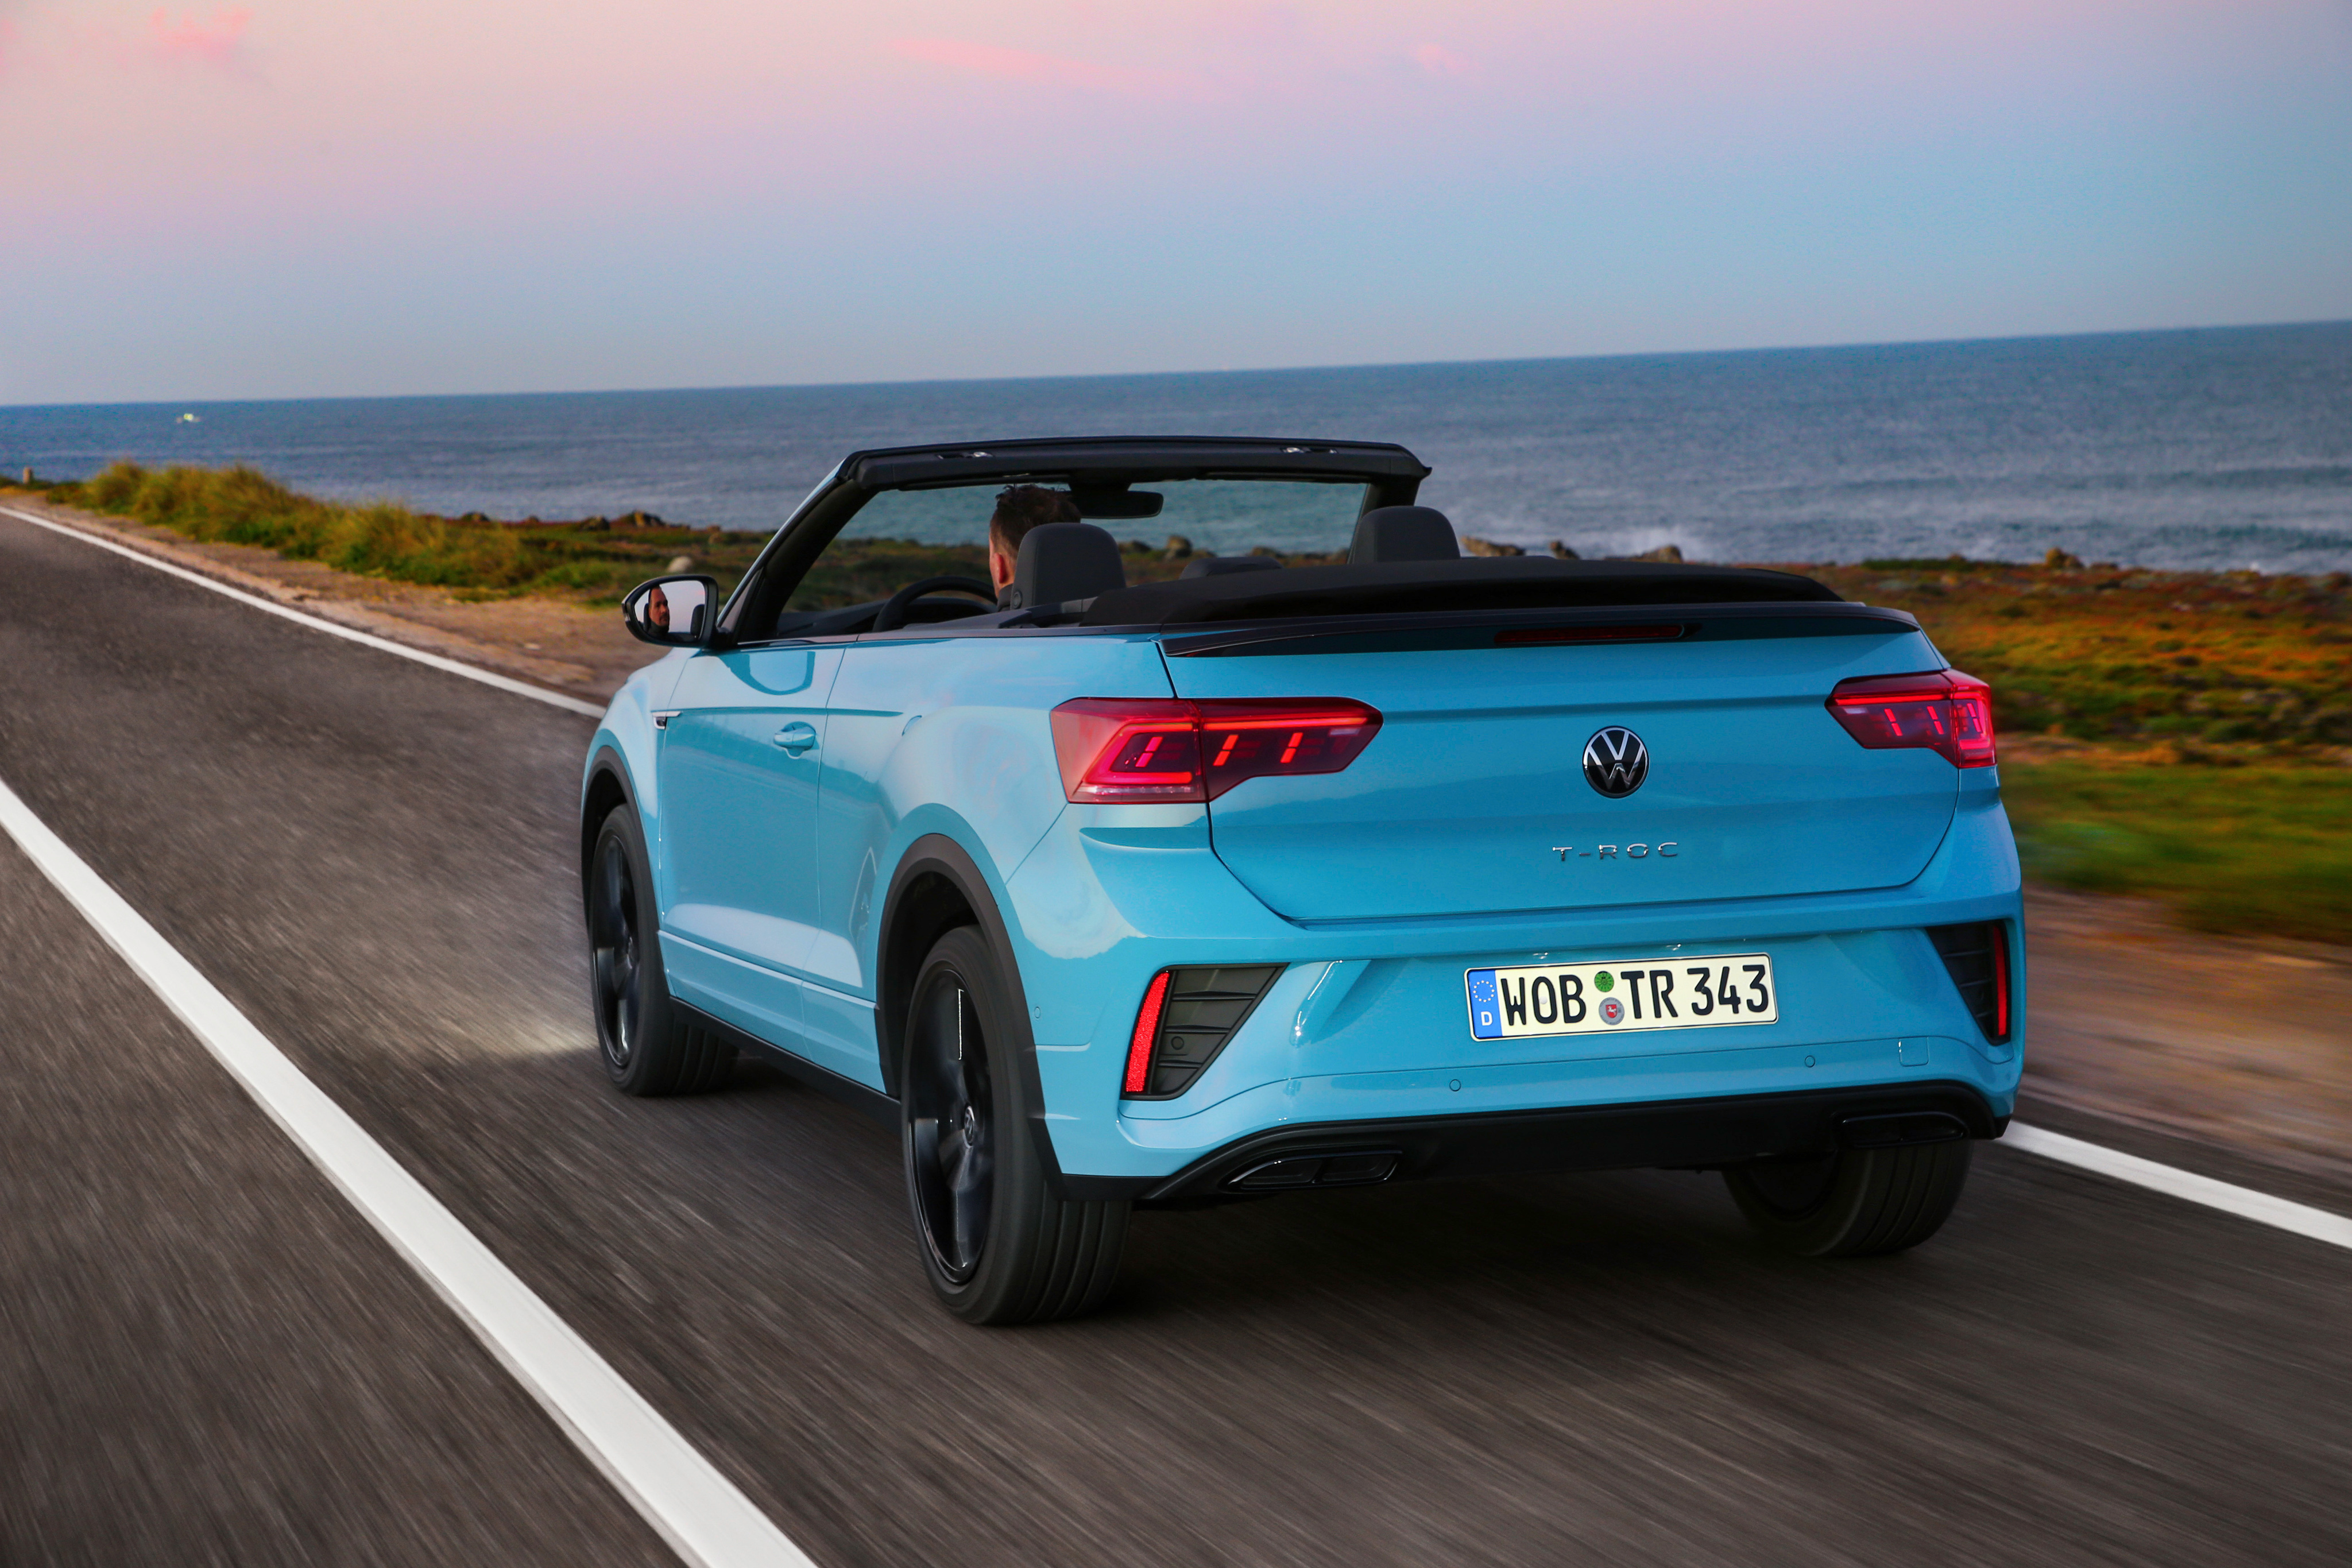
[205, 1356]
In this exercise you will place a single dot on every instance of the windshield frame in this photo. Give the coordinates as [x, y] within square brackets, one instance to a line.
[1391, 475]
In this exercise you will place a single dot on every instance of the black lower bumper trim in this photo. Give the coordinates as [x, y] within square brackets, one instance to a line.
[1679, 1134]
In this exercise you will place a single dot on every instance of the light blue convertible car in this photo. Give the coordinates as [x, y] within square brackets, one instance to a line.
[1112, 885]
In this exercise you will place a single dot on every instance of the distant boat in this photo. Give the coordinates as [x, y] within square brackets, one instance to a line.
[187, 419]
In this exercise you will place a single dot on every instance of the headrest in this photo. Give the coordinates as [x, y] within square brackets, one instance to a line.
[1062, 562]
[1404, 533]
[1220, 565]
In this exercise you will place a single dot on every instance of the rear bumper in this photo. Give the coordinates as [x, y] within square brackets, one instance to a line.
[1701, 1133]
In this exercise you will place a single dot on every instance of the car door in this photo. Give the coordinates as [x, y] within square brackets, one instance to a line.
[739, 757]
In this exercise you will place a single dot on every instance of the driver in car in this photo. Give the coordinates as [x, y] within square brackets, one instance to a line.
[1018, 509]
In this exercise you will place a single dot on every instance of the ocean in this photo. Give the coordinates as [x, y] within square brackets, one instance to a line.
[2222, 448]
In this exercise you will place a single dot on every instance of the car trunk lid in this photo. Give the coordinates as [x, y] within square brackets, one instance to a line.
[1473, 797]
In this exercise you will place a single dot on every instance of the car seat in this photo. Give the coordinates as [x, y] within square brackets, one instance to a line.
[1062, 562]
[1404, 533]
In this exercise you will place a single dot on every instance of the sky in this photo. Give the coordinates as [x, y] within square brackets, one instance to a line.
[290, 198]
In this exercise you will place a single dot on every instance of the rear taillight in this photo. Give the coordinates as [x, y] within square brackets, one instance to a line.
[1133, 749]
[1187, 1016]
[1942, 711]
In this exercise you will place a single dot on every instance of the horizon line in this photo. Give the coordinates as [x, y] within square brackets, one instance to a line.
[1227, 371]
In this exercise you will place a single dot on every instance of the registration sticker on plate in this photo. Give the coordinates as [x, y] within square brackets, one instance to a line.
[1618, 995]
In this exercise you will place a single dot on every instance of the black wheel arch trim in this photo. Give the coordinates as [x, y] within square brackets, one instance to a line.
[1702, 1134]
[607, 768]
[937, 855]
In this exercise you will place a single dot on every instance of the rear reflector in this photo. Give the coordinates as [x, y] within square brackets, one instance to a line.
[1942, 711]
[1147, 1030]
[1186, 1018]
[1135, 749]
[1975, 956]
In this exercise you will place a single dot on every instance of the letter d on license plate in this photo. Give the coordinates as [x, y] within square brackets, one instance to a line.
[1616, 995]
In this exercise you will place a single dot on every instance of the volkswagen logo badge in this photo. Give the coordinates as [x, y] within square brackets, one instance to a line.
[1615, 762]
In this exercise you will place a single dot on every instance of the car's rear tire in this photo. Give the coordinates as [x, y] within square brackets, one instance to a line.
[996, 1244]
[1855, 1202]
[645, 1046]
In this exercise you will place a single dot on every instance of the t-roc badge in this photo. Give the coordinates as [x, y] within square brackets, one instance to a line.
[1615, 761]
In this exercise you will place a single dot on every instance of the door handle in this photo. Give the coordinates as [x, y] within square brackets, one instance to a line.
[797, 737]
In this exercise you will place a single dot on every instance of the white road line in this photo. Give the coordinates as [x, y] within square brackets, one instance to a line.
[2243, 1201]
[702, 1515]
[319, 623]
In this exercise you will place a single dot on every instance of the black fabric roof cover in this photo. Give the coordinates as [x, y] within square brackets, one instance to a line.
[1504, 582]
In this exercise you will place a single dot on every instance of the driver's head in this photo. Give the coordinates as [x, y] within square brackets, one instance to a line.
[657, 609]
[1020, 509]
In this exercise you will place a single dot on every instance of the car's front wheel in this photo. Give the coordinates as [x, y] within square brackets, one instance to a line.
[997, 1245]
[645, 1046]
[1855, 1202]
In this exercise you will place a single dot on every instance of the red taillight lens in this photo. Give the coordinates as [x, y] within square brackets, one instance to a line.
[1147, 1030]
[1941, 711]
[1120, 749]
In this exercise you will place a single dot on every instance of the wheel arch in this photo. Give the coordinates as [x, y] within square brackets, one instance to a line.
[606, 786]
[937, 887]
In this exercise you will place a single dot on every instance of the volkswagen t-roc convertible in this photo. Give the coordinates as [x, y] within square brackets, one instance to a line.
[1263, 878]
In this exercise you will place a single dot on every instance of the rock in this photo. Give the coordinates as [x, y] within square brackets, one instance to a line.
[2060, 561]
[638, 520]
[1179, 547]
[594, 525]
[1136, 547]
[1473, 545]
[1562, 551]
[1663, 552]
[1266, 549]
[681, 563]
[474, 517]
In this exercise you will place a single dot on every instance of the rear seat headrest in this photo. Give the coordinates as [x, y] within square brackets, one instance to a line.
[1404, 533]
[1062, 562]
[1223, 565]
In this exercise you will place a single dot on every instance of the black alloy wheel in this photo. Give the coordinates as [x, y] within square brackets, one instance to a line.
[951, 1124]
[645, 1046]
[997, 1241]
[615, 954]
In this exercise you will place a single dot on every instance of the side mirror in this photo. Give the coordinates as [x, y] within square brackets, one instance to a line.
[672, 611]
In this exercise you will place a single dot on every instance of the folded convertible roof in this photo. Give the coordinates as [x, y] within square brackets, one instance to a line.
[1473, 583]
[1139, 459]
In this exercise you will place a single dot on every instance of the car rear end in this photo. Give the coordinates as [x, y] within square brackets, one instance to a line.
[1700, 885]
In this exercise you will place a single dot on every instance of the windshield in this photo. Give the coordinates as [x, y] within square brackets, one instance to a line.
[902, 537]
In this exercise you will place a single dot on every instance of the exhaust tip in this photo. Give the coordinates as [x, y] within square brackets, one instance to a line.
[1901, 1129]
[1356, 1167]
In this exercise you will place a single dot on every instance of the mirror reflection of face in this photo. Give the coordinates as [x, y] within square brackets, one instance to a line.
[657, 609]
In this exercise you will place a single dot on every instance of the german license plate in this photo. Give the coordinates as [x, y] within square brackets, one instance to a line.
[1618, 995]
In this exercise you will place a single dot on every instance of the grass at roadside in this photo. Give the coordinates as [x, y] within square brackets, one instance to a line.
[2249, 848]
[594, 560]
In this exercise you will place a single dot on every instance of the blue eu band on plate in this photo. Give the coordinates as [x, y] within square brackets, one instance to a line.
[1618, 995]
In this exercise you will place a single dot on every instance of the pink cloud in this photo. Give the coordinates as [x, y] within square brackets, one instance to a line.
[219, 42]
[1023, 65]
[1440, 61]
